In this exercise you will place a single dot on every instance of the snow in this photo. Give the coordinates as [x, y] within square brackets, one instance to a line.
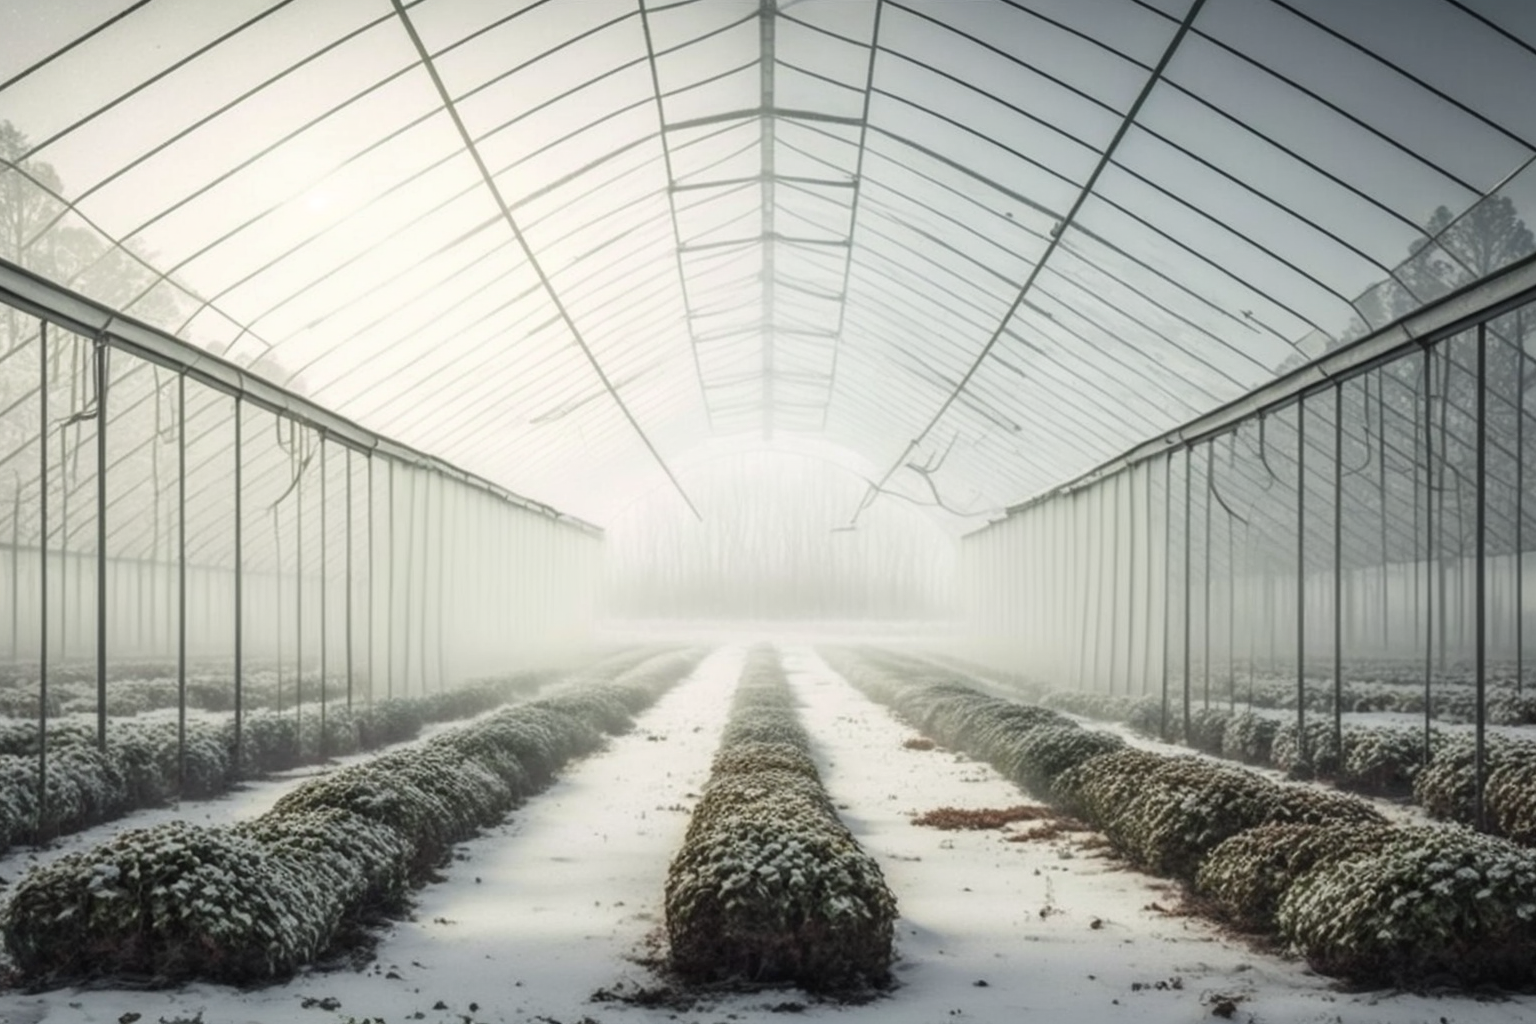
[558, 902]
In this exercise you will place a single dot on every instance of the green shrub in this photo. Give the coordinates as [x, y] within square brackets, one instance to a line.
[1250, 738]
[1321, 756]
[1510, 799]
[1382, 760]
[755, 757]
[1041, 754]
[1246, 875]
[1433, 901]
[1446, 787]
[171, 902]
[1208, 729]
[769, 885]
[1166, 814]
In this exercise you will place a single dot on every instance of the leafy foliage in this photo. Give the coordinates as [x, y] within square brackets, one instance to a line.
[769, 885]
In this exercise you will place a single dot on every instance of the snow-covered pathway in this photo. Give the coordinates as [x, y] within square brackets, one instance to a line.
[529, 919]
[536, 915]
[1057, 933]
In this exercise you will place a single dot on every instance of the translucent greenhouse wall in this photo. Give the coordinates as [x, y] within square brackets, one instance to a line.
[155, 520]
[1371, 527]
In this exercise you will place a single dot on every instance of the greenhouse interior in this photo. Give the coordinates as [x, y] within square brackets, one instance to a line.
[599, 511]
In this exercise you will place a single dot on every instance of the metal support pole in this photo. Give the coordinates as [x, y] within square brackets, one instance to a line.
[181, 582]
[350, 582]
[1303, 754]
[298, 595]
[372, 675]
[1520, 359]
[1114, 580]
[239, 586]
[1167, 582]
[1480, 595]
[1338, 569]
[323, 568]
[389, 597]
[1189, 516]
[1429, 546]
[102, 381]
[1210, 468]
[42, 551]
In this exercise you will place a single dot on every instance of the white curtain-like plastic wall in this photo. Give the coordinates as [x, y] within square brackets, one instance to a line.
[152, 523]
[1370, 530]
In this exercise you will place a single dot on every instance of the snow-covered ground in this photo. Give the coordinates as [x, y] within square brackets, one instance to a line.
[563, 900]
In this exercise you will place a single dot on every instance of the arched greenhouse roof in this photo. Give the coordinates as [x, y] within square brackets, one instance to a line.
[982, 246]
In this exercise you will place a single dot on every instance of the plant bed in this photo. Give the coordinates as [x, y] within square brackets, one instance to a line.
[769, 886]
[256, 901]
[1247, 875]
[1432, 903]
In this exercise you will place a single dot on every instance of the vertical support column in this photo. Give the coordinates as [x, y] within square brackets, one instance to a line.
[389, 596]
[239, 584]
[372, 577]
[1167, 582]
[1114, 585]
[1338, 569]
[443, 533]
[1480, 577]
[1520, 360]
[324, 568]
[1429, 546]
[1304, 755]
[1131, 555]
[1189, 518]
[102, 382]
[298, 587]
[1205, 616]
[350, 583]
[42, 551]
[181, 581]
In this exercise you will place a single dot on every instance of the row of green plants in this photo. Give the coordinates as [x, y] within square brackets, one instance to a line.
[1321, 871]
[1376, 759]
[146, 765]
[769, 885]
[258, 900]
[208, 688]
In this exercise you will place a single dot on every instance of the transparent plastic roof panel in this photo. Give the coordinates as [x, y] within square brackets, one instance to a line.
[562, 244]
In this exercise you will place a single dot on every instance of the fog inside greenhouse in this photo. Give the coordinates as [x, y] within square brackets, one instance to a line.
[775, 544]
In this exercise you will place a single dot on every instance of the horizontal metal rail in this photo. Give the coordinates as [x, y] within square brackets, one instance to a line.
[1449, 315]
[71, 311]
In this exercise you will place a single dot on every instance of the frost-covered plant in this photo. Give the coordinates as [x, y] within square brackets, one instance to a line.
[257, 900]
[1320, 756]
[1166, 814]
[769, 885]
[1040, 754]
[1510, 799]
[1432, 901]
[1208, 728]
[170, 902]
[1246, 875]
[754, 757]
[352, 866]
[1249, 737]
[1447, 786]
[1382, 760]
[1146, 718]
